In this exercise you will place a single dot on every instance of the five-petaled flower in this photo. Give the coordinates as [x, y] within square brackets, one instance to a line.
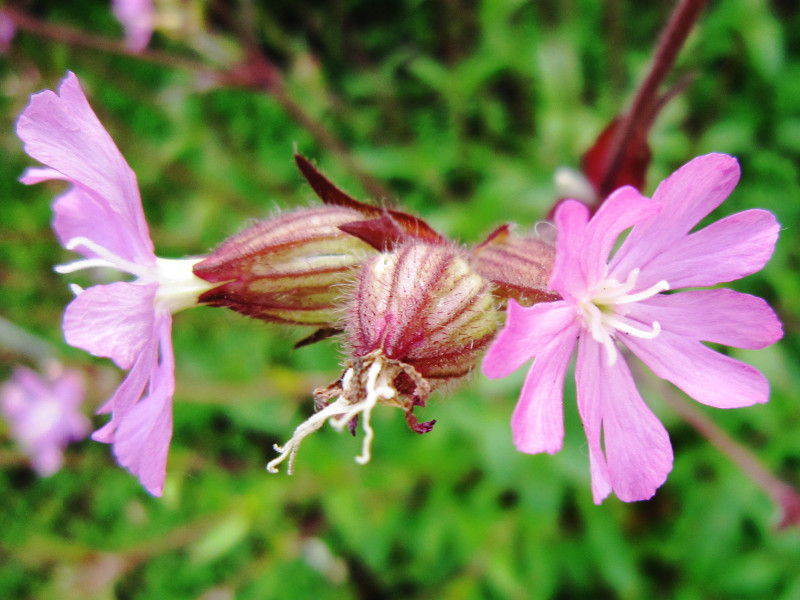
[44, 413]
[100, 216]
[623, 300]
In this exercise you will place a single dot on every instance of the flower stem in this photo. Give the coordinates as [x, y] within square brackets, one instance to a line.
[646, 102]
[21, 342]
[76, 37]
[783, 494]
[257, 73]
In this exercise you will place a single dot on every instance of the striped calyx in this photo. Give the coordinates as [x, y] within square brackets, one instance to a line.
[287, 269]
[518, 266]
[422, 304]
[419, 317]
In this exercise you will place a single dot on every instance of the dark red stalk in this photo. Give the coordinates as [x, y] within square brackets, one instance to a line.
[782, 494]
[647, 102]
[256, 73]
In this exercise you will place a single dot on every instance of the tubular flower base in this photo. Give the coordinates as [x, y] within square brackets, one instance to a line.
[100, 216]
[622, 300]
[419, 318]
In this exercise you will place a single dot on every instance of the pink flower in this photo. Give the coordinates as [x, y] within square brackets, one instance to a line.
[621, 300]
[100, 216]
[44, 414]
[138, 20]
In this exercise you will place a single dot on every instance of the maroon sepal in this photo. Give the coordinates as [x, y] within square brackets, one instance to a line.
[323, 333]
[501, 232]
[389, 226]
[633, 163]
[383, 233]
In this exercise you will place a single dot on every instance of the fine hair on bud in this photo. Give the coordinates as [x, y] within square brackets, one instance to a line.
[287, 269]
[519, 266]
[419, 317]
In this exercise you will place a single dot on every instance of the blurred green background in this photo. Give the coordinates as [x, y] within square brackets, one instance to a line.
[461, 111]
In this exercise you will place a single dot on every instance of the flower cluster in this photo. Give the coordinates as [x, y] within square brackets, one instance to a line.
[417, 311]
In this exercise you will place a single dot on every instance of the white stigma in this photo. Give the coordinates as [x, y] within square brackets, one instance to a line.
[604, 312]
[340, 412]
[105, 258]
[375, 391]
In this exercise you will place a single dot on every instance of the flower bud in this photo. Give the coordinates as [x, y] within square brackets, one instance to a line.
[287, 269]
[519, 266]
[419, 317]
[425, 306]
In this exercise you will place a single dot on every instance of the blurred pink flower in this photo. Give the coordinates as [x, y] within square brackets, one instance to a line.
[44, 414]
[100, 216]
[621, 300]
[8, 30]
[138, 20]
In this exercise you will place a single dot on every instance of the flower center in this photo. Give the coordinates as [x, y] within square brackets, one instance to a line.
[604, 311]
[178, 286]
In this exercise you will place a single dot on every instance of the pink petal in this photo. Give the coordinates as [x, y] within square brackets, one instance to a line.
[70, 389]
[79, 213]
[130, 391]
[638, 453]
[588, 375]
[138, 19]
[721, 316]
[538, 419]
[526, 332]
[620, 211]
[707, 376]
[568, 277]
[688, 195]
[114, 321]
[729, 249]
[141, 443]
[47, 461]
[62, 132]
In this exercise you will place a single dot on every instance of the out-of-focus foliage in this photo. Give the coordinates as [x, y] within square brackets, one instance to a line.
[463, 111]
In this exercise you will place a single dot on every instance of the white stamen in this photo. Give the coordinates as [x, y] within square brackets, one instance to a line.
[178, 286]
[656, 288]
[106, 259]
[624, 327]
[603, 312]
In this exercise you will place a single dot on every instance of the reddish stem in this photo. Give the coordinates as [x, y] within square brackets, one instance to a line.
[256, 73]
[645, 103]
[783, 494]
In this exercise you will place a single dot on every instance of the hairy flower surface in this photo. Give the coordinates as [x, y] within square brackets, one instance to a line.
[287, 269]
[622, 300]
[100, 216]
[519, 266]
[44, 414]
[419, 318]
